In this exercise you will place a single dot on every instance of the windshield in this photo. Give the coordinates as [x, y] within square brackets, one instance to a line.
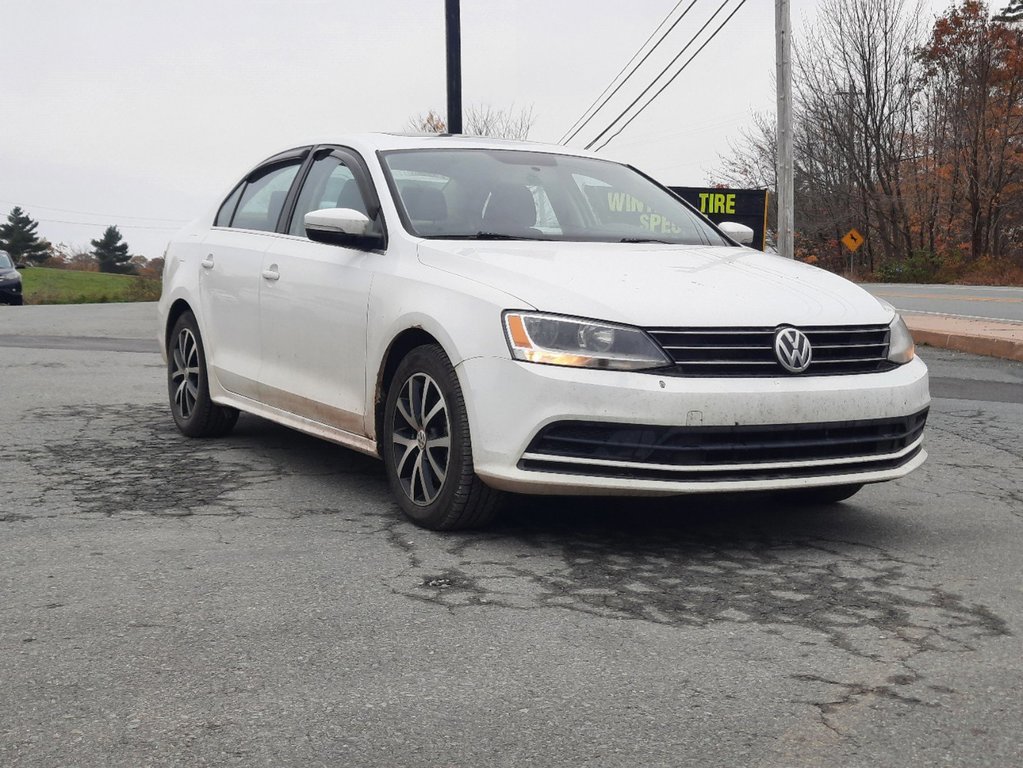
[499, 194]
[5, 261]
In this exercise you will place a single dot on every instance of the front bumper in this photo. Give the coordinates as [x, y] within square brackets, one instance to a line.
[510, 402]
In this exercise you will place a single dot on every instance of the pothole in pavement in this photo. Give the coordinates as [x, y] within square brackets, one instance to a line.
[762, 572]
[103, 462]
[719, 565]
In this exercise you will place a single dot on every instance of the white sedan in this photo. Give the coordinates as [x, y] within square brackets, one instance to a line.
[491, 316]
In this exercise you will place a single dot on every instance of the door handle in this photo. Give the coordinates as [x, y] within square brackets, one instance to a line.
[207, 262]
[271, 273]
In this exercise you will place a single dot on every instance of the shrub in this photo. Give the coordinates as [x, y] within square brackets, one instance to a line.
[920, 267]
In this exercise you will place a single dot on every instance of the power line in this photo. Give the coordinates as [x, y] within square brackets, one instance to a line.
[93, 213]
[659, 75]
[680, 132]
[670, 80]
[119, 226]
[582, 121]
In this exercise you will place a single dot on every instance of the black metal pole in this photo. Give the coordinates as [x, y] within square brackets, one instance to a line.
[453, 24]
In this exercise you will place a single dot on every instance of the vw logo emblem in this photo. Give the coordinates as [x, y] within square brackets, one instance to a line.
[792, 349]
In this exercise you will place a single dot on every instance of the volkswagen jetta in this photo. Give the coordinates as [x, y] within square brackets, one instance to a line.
[491, 316]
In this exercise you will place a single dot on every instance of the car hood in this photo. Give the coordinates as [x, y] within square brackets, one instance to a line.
[6, 274]
[659, 285]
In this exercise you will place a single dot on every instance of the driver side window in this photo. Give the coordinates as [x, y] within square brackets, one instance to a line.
[330, 184]
[263, 199]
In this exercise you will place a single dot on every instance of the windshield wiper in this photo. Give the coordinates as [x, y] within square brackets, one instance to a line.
[501, 236]
[484, 236]
[643, 240]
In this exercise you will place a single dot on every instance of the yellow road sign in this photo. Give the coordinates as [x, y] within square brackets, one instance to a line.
[852, 240]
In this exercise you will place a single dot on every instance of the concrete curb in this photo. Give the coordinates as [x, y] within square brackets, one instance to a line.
[974, 345]
[973, 337]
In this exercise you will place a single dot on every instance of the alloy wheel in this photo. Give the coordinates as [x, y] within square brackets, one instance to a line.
[185, 373]
[421, 439]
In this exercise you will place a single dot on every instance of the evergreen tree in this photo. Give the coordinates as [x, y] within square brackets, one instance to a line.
[1011, 12]
[18, 237]
[112, 253]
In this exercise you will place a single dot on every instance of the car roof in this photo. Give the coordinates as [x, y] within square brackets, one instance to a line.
[397, 141]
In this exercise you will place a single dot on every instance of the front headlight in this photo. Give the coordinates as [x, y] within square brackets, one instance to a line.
[901, 348]
[539, 338]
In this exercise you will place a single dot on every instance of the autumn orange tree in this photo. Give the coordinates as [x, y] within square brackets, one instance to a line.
[973, 83]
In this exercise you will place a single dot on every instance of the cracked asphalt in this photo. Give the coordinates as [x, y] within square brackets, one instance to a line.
[258, 601]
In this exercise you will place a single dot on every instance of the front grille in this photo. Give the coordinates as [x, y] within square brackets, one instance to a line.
[724, 453]
[749, 352]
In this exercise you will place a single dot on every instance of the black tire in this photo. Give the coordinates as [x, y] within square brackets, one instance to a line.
[426, 446]
[188, 387]
[828, 494]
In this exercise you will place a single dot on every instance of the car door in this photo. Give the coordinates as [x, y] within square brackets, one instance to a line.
[313, 300]
[229, 274]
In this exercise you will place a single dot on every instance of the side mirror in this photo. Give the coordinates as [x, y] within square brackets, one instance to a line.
[342, 226]
[740, 233]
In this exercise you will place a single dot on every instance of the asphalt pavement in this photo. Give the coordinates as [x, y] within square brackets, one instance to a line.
[257, 600]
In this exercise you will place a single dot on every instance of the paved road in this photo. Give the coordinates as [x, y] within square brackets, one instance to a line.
[257, 600]
[994, 302]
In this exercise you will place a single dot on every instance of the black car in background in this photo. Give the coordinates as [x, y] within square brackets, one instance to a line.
[10, 281]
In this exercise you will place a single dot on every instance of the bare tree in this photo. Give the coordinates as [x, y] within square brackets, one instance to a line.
[856, 79]
[750, 161]
[915, 140]
[482, 120]
[431, 122]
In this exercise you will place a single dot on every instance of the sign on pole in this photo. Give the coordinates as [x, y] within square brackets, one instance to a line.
[852, 240]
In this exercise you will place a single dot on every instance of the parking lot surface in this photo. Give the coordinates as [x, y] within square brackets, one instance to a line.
[257, 600]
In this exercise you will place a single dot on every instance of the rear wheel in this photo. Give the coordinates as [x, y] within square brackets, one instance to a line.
[188, 386]
[427, 449]
[828, 494]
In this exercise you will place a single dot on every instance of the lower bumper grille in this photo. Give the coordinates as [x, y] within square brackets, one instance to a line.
[725, 453]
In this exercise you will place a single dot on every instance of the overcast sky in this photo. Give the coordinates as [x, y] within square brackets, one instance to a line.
[141, 113]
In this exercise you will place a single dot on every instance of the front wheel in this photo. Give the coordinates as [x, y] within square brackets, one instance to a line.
[427, 449]
[194, 411]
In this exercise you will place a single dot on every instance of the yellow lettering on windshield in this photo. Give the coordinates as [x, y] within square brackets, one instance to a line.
[622, 202]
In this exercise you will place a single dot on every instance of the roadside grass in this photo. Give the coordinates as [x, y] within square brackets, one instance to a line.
[64, 286]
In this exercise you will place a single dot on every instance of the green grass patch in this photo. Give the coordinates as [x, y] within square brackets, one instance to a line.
[65, 286]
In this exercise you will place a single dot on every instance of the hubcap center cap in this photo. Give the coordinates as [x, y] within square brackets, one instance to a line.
[421, 439]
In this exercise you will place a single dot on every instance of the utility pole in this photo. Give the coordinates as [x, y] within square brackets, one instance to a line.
[848, 152]
[453, 26]
[783, 62]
